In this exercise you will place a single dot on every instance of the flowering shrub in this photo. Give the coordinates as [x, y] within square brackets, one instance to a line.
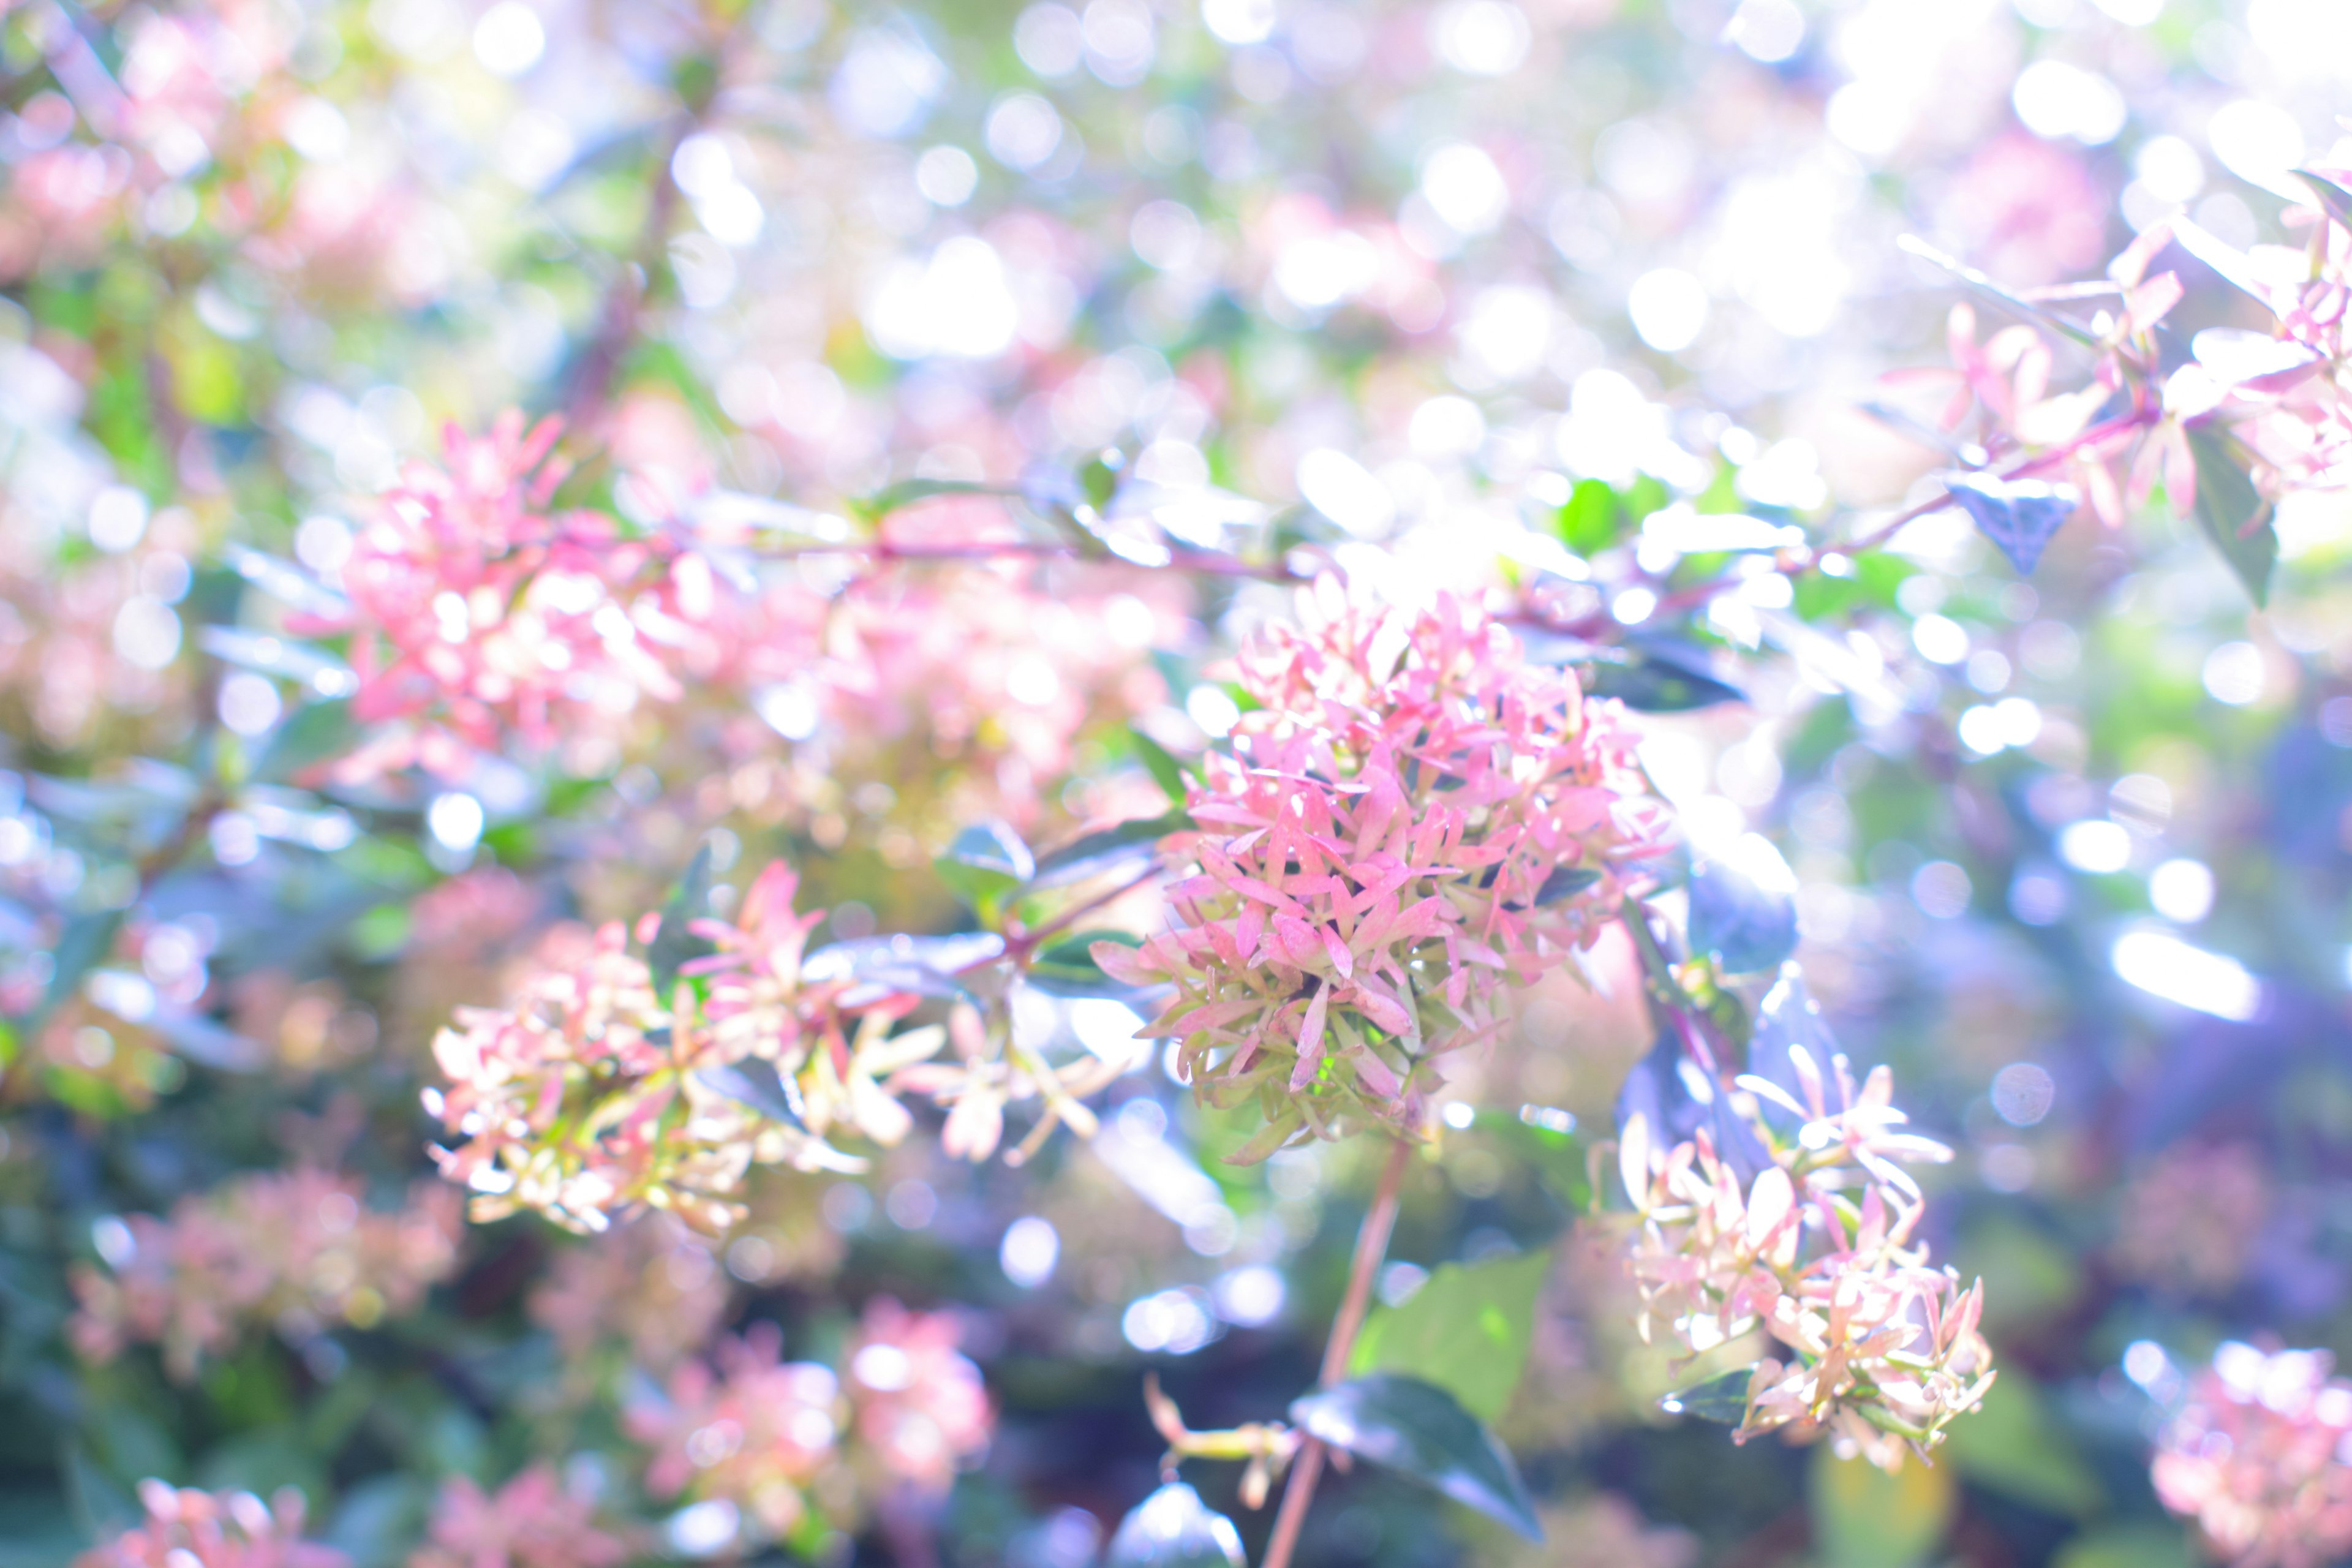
[1413, 817]
[2256, 1456]
[298, 1250]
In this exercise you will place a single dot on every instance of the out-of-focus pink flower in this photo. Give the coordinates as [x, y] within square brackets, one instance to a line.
[1881, 1349]
[652, 1284]
[1414, 817]
[532, 1522]
[921, 1408]
[593, 1093]
[475, 611]
[297, 1250]
[213, 1529]
[2191, 1221]
[2260, 1456]
[753, 1430]
[2028, 211]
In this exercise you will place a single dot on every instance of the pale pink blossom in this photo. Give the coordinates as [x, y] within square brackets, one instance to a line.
[753, 1430]
[1414, 818]
[299, 1250]
[195, 1529]
[652, 1285]
[2259, 1456]
[921, 1408]
[532, 1522]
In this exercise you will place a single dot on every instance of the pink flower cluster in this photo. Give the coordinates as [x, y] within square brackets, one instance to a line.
[2260, 1456]
[594, 1093]
[298, 1249]
[532, 1522]
[786, 1442]
[1876, 1349]
[921, 1408]
[2191, 1221]
[1414, 817]
[213, 1529]
[476, 612]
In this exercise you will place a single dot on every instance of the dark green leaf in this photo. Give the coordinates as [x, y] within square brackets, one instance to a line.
[1420, 1430]
[1546, 1138]
[1662, 675]
[313, 733]
[1466, 1330]
[987, 864]
[2015, 1445]
[674, 946]
[1565, 882]
[2018, 516]
[917, 965]
[1174, 1528]
[1723, 1399]
[755, 1082]
[1067, 968]
[2233, 514]
[1745, 911]
[1160, 763]
[1126, 844]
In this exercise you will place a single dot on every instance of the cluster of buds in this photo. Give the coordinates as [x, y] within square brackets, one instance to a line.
[786, 1444]
[474, 612]
[1811, 1243]
[298, 1249]
[213, 1529]
[532, 1522]
[2259, 1453]
[1414, 817]
[595, 1092]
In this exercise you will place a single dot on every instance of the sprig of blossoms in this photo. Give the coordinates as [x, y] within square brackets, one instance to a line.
[1879, 1350]
[2259, 1455]
[298, 1249]
[213, 1529]
[532, 1522]
[595, 1092]
[475, 611]
[1413, 818]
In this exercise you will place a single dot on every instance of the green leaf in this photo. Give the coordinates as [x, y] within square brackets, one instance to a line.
[1174, 1528]
[1590, 519]
[2015, 1446]
[1421, 1430]
[2126, 1546]
[1275, 1135]
[674, 946]
[1123, 844]
[84, 944]
[1864, 1518]
[314, 733]
[1160, 763]
[1663, 676]
[2333, 198]
[755, 1083]
[1723, 1398]
[1466, 1330]
[987, 864]
[2227, 503]
[1066, 967]
[1547, 1139]
[882, 503]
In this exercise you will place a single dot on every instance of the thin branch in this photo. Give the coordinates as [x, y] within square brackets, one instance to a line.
[1372, 1245]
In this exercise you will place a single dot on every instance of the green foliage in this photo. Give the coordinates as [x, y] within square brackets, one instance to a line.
[1419, 1429]
[1864, 1518]
[1466, 1329]
[2014, 1445]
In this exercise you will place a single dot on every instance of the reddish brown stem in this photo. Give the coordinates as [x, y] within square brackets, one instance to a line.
[1372, 1245]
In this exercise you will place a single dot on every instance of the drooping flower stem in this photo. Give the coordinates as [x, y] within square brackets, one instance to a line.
[1371, 1247]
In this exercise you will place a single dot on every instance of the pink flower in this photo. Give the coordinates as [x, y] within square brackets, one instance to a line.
[213, 1529]
[652, 1284]
[753, 1430]
[2260, 1456]
[476, 612]
[532, 1522]
[1414, 817]
[1880, 1350]
[299, 1250]
[921, 1408]
[593, 1093]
